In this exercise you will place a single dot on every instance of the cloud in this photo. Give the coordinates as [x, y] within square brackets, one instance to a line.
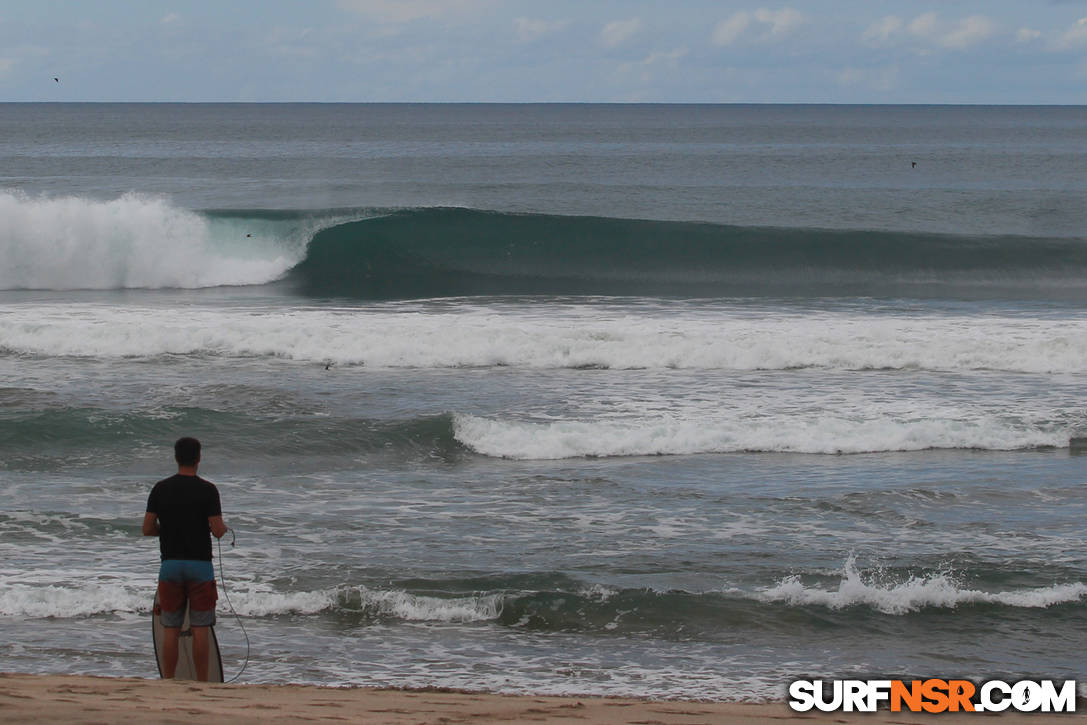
[170, 18]
[6, 64]
[930, 30]
[761, 25]
[968, 31]
[529, 29]
[618, 32]
[1026, 35]
[781, 22]
[1074, 37]
[925, 26]
[660, 57]
[883, 30]
[643, 70]
[729, 31]
[402, 11]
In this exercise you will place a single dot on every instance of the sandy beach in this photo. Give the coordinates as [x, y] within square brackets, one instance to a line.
[84, 699]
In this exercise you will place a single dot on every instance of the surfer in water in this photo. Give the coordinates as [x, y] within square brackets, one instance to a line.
[184, 512]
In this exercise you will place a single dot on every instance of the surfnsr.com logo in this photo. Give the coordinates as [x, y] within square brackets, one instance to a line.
[933, 695]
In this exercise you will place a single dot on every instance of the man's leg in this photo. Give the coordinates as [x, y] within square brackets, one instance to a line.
[200, 653]
[169, 651]
[171, 611]
[202, 597]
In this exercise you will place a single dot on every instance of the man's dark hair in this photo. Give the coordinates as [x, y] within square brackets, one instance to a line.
[187, 451]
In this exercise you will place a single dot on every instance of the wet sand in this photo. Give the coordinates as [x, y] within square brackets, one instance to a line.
[109, 700]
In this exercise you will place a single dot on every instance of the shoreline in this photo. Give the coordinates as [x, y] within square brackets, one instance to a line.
[116, 700]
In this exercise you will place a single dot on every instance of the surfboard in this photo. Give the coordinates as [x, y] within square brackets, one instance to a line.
[186, 665]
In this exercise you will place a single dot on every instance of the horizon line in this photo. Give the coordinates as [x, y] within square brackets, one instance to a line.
[565, 103]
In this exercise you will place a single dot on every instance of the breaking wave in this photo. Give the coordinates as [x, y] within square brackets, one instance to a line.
[568, 605]
[45, 440]
[864, 433]
[138, 241]
[456, 252]
[938, 590]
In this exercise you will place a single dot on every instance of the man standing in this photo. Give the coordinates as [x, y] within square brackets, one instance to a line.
[184, 511]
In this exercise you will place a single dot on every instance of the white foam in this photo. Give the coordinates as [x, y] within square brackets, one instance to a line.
[938, 589]
[268, 603]
[249, 599]
[543, 337]
[663, 411]
[135, 241]
[403, 605]
[81, 600]
[387, 603]
[868, 432]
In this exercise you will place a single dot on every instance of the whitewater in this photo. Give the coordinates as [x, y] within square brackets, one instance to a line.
[133, 241]
[628, 400]
[607, 334]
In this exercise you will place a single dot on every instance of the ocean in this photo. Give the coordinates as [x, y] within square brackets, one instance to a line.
[657, 400]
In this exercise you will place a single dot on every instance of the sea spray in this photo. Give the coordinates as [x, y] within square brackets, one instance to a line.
[134, 241]
[937, 589]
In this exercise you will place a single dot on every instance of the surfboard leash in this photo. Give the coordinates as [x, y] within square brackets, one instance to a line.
[226, 595]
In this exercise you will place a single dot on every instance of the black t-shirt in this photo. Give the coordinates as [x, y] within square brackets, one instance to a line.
[183, 505]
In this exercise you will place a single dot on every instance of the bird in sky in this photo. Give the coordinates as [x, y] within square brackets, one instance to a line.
[56, 79]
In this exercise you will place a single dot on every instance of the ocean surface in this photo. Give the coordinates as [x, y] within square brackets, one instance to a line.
[669, 401]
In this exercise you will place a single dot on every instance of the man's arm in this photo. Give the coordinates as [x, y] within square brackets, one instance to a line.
[218, 528]
[150, 524]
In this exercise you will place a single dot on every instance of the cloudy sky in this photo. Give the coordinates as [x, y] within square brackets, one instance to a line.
[801, 51]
